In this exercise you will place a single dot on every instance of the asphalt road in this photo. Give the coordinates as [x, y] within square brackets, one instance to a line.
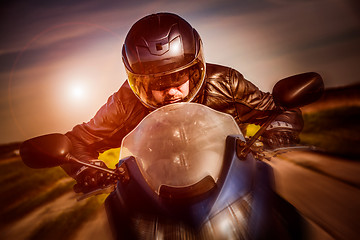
[325, 190]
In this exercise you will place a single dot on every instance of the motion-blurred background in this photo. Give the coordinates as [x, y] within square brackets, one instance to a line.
[61, 60]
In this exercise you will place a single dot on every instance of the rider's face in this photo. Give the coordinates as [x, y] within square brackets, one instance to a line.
[172, 94]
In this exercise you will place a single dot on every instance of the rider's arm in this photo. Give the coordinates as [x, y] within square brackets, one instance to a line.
[122, 112]
[255, 106]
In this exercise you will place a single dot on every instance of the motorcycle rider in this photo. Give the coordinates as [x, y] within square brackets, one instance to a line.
[163, 58]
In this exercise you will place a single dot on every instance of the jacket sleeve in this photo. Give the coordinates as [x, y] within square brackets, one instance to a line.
[117, 117]
[254, 106]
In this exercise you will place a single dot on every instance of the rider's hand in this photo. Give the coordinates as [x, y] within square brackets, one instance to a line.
[89, 179]
[280, 134]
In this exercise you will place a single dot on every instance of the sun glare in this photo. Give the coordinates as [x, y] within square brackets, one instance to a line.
[77, 91]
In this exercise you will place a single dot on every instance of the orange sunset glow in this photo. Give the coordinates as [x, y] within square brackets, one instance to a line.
[61, 62]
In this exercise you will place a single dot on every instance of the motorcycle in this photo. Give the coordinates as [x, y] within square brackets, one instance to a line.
[187, 172]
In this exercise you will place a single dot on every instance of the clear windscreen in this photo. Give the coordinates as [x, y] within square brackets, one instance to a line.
[179, 144]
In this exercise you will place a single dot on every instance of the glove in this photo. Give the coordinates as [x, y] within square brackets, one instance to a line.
[280, 134]
[89, 179]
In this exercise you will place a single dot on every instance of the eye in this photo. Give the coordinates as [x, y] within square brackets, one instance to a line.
[195, 74]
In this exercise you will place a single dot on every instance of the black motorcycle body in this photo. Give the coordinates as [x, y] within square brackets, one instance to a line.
[240, 204]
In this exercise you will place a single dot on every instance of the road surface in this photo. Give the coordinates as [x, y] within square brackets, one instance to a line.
[325, 189]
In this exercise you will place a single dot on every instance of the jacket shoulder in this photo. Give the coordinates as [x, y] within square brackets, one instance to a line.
[221, 81]
[216, 71]
[223, 75]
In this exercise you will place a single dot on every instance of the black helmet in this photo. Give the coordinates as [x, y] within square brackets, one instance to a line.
[162, 51]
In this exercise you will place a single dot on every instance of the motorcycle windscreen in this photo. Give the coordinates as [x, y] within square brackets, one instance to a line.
[179, 144]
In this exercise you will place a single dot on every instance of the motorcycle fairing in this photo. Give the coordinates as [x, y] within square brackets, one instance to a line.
[236, 178]
[239, 199]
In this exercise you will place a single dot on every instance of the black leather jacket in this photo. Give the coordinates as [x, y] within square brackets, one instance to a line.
[224, 89]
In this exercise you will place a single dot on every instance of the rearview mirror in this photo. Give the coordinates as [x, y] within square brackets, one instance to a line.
[298, 90]
[46, 151]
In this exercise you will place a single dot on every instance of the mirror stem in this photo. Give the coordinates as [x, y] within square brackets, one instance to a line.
[246, 149]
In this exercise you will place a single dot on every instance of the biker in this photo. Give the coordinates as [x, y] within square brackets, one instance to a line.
[164, 62]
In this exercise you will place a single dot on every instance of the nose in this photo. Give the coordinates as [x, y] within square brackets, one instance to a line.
[172, 91]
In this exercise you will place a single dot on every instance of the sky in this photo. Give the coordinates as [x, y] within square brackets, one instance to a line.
[61, 60]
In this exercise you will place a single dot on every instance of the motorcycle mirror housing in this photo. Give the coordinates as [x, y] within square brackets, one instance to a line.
[46, 151]
[291, 92]
[298, 90]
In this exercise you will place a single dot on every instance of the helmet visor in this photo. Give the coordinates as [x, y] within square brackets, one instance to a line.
[181, 85]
